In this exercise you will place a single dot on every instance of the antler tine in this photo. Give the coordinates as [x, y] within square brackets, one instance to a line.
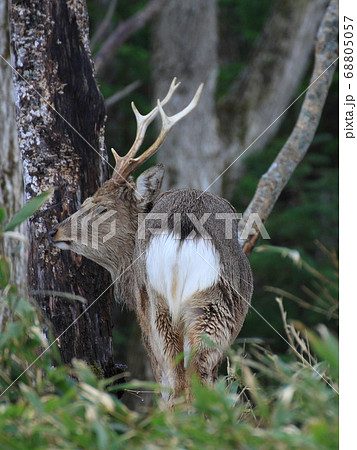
[172, 89]
[127, 164]
[167, 124]
[142, 123]
[177, 117]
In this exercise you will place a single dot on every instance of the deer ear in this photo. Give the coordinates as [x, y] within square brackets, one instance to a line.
[148, 184]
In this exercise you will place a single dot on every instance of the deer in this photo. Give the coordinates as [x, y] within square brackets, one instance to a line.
[172, 258]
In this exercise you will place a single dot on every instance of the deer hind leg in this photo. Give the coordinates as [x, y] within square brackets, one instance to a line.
[167, 344]
[162, 340]
[210, 318]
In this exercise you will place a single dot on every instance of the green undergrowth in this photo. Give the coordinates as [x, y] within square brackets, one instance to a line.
[265, 401]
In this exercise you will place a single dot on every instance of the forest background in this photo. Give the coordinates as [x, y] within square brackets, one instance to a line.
[298, 265]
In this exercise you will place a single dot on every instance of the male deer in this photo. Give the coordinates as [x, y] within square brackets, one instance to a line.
[186, 278]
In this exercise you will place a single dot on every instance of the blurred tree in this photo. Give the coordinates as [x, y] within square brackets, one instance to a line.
[274, 180]
[11, 187]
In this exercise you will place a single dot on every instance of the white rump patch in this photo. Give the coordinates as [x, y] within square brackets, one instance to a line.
[178, 271]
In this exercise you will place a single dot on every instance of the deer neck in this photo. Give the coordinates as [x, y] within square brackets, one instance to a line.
[121, 265]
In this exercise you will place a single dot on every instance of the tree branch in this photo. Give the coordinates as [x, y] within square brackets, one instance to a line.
[104, 24]
[273, 181]
[123, 31]
[118, 96]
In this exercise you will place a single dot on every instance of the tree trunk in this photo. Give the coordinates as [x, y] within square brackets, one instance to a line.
[185, 39]
[11, 188]
[60, 121]
[185, 45]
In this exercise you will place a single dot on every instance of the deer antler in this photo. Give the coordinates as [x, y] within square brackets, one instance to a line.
[125, 165]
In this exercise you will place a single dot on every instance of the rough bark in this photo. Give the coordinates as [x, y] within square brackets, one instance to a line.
[11, 189]
[60, 121]
[185, 45]
[273, 181]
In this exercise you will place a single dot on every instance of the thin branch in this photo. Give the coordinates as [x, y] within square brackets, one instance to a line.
[124, 31]
[118, 96]
[273, 181]
[104, 24]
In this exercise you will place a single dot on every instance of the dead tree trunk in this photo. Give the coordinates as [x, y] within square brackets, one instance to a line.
[60, 122]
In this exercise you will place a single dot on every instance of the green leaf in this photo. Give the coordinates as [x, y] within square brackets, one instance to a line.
[26, 211]
[2, 214]
[5, 271]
